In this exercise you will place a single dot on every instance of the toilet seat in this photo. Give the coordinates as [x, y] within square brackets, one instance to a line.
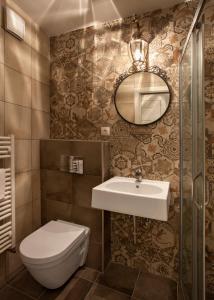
[52, 241]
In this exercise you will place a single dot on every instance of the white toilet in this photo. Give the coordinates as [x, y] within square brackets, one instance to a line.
[55, 251]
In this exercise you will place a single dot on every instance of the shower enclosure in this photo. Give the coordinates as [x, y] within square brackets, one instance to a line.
[192, 163]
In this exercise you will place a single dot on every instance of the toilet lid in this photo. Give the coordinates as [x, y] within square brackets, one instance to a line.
[51, 241]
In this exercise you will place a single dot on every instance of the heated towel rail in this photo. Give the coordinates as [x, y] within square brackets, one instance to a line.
[7, 204]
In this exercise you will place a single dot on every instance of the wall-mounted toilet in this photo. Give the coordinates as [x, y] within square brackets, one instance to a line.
[55, 251]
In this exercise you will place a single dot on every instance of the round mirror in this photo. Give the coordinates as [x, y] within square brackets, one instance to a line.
[142, 98]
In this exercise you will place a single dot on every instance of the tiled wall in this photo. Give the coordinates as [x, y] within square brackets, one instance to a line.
[24, 112]
[84, 66]
[67, 196]
[209, 121]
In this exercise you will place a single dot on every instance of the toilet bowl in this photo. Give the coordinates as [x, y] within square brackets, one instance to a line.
[55, 251]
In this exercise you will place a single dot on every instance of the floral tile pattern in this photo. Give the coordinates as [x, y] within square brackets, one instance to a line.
[84, 66]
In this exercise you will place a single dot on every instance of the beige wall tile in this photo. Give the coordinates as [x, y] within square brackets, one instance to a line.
[23, 188]
[94, 257]
[19, 11]
[36, 194]
[58, 210]
[58, 186]
[40, 41]
[40, 125]
[36, 213]
[18, 54]
[1, 81]
[40, 67]
[23, 221]
[35, 154]
[2, 270]
[40, 96]
[1, 45]
[1, 118]
[36, 187]
[51, 152]
[13, 262]
[82, 189]
[91, 153]
[16, 112]
[17, 121]
[91, 218]
[22, 155]
[17, 88]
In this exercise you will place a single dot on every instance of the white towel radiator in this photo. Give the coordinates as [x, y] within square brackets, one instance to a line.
[7, 204]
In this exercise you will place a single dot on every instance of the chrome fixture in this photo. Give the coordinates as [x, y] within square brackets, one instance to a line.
[76, 164]
[138, 48]
[193, 199]
[138, 175]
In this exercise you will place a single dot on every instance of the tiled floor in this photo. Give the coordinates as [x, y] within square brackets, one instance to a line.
[209, 296]
[117, 283]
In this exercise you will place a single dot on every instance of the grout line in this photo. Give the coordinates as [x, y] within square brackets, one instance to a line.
[47, 83]
[21, 269]
[93, 281]
[27, 107]
[138, 276]
[30, 44]
[114, 290]
[43, 294]
[16, 104]
[21, 292]
[93, 284]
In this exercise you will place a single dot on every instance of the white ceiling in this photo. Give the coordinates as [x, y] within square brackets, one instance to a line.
[60, 16]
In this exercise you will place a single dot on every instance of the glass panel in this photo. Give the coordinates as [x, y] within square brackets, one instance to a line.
[186, 172]
[192, 169]
[198, 163]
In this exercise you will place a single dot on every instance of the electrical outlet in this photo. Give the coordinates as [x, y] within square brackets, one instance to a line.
[105, 131]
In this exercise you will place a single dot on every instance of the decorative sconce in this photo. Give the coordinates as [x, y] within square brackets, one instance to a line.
[138, 48]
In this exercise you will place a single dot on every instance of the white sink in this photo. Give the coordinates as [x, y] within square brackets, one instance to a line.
[149, 198]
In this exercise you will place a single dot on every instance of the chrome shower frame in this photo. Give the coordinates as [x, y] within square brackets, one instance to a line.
[194, 24]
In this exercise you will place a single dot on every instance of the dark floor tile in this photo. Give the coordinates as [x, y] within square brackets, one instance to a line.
[99, 292]
[26, 283]
[51, 294]
[119, 277]
[209, 296]
[88, 274]
[9, 293]
[150, 287]
[79, 290]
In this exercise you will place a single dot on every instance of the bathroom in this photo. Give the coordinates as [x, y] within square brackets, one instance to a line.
[104, 195]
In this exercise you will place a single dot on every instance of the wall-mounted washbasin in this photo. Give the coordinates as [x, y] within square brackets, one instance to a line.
[149, 198]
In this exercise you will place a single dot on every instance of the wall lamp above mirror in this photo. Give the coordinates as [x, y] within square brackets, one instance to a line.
[142, 95]
[138, 47]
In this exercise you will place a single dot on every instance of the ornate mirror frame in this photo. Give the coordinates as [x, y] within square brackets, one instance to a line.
[137, 69]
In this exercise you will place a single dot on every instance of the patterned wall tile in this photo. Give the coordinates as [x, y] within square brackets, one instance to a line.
[85, 65]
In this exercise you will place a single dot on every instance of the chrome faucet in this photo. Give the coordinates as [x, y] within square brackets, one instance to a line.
[138, 175]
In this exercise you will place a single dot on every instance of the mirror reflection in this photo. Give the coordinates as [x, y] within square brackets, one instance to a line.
[142, 98]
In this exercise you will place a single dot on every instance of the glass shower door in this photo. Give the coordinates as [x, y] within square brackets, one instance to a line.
[192, 168]
[198, 179]
[186, 141]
